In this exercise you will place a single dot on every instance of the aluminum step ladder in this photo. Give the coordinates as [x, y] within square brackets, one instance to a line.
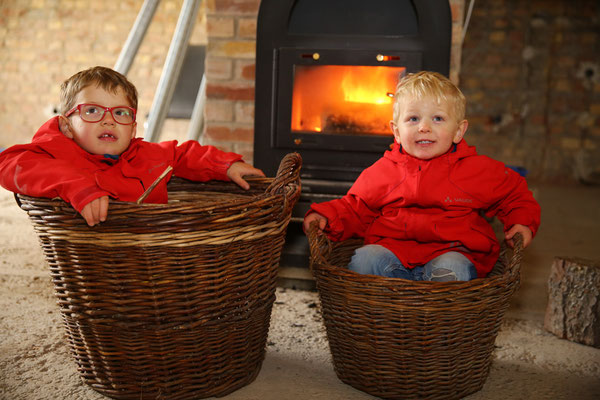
[172, 68]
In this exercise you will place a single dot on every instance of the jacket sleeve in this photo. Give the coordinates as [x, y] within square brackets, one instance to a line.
[200, 163]
[27, 169]
[513, 203]
[347, 217]
[351, 215]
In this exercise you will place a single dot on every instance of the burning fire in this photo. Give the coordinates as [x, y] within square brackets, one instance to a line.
[344, 99]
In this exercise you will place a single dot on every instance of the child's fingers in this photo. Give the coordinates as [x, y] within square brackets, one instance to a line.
[240, 182]
[103, 209]
[525, 234]
[95, 211]
[314, 217]
[322, 223]
[87, 215]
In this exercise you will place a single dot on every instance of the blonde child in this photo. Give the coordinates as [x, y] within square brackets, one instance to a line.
[421, 207]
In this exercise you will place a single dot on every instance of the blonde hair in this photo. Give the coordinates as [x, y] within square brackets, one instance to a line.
[106, 78]
[429, 84]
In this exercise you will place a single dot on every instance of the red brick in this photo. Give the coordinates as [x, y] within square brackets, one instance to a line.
[245, 70]
[227, 133]
[236, 6]
[230, 91]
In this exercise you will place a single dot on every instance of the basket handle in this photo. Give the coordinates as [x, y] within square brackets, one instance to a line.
[514, 265]
[317, 240]
[288, 172]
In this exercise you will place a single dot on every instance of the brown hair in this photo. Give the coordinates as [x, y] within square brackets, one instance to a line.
[106, 78]
[430, 84]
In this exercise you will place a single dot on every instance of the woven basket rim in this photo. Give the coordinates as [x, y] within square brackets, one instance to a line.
[241, 200]
[318, 261]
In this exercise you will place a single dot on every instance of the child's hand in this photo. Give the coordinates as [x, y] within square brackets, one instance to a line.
[314, 217]
[239, 169]
[523, 230]
[95, 211]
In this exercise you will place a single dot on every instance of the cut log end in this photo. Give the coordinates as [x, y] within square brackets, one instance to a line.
[573, 310]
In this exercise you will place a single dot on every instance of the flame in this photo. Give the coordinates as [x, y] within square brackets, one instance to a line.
[343, 99]
[360, 87]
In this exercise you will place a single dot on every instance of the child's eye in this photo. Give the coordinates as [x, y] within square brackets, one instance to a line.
[122, 112]
[91, 110]
[412, 119]
[438, 119]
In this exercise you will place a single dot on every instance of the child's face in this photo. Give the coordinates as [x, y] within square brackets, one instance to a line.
[426, 129]
[105, 136]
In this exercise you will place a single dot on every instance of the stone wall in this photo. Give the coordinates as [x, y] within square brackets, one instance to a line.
[531, 74]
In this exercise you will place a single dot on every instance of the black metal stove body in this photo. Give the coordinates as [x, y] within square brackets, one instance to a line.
[294, 37]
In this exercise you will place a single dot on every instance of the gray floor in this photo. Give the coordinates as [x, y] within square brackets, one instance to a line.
[528, 363]
[570, 228]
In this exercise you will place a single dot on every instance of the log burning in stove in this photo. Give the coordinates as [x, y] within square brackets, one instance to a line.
[326, 71]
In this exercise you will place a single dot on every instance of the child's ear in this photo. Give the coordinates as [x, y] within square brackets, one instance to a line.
[133, 130]
[394, 129]
[65, 126]
[460, 131]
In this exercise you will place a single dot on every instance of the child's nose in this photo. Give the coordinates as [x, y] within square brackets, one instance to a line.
[424, 126]
[108, 118]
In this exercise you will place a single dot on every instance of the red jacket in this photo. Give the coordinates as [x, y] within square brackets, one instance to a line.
[53, 165]
[420, 209]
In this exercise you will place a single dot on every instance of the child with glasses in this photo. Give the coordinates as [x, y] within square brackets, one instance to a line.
[89, 152]
[420, 208]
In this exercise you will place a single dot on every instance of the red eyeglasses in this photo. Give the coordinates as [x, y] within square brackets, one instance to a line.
[95, 113]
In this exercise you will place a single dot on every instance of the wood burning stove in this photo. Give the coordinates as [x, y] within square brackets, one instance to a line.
[326, 71]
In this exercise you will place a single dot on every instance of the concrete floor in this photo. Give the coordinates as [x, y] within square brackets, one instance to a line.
[570, 227]
[529, 363]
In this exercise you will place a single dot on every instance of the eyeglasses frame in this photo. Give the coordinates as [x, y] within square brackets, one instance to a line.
[106, 109]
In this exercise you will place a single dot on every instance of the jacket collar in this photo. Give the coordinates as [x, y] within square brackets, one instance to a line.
[54, 142]
[456, 152]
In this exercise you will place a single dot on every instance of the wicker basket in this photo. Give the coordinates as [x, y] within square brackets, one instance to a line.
[170, 300]
[401, 339]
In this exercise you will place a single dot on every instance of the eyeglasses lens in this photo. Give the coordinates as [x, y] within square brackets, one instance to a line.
[122, 115]
[92, 113]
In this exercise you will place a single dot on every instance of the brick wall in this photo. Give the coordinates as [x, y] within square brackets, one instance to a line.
[43, 42]
[230, 64]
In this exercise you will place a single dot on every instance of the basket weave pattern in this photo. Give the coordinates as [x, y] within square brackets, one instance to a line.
[170, 300]
[401, 339]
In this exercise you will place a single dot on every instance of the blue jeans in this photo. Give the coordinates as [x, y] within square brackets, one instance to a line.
[374, 259]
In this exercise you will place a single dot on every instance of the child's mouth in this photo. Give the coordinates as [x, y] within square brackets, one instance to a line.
[108, 137]
[424, 142]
